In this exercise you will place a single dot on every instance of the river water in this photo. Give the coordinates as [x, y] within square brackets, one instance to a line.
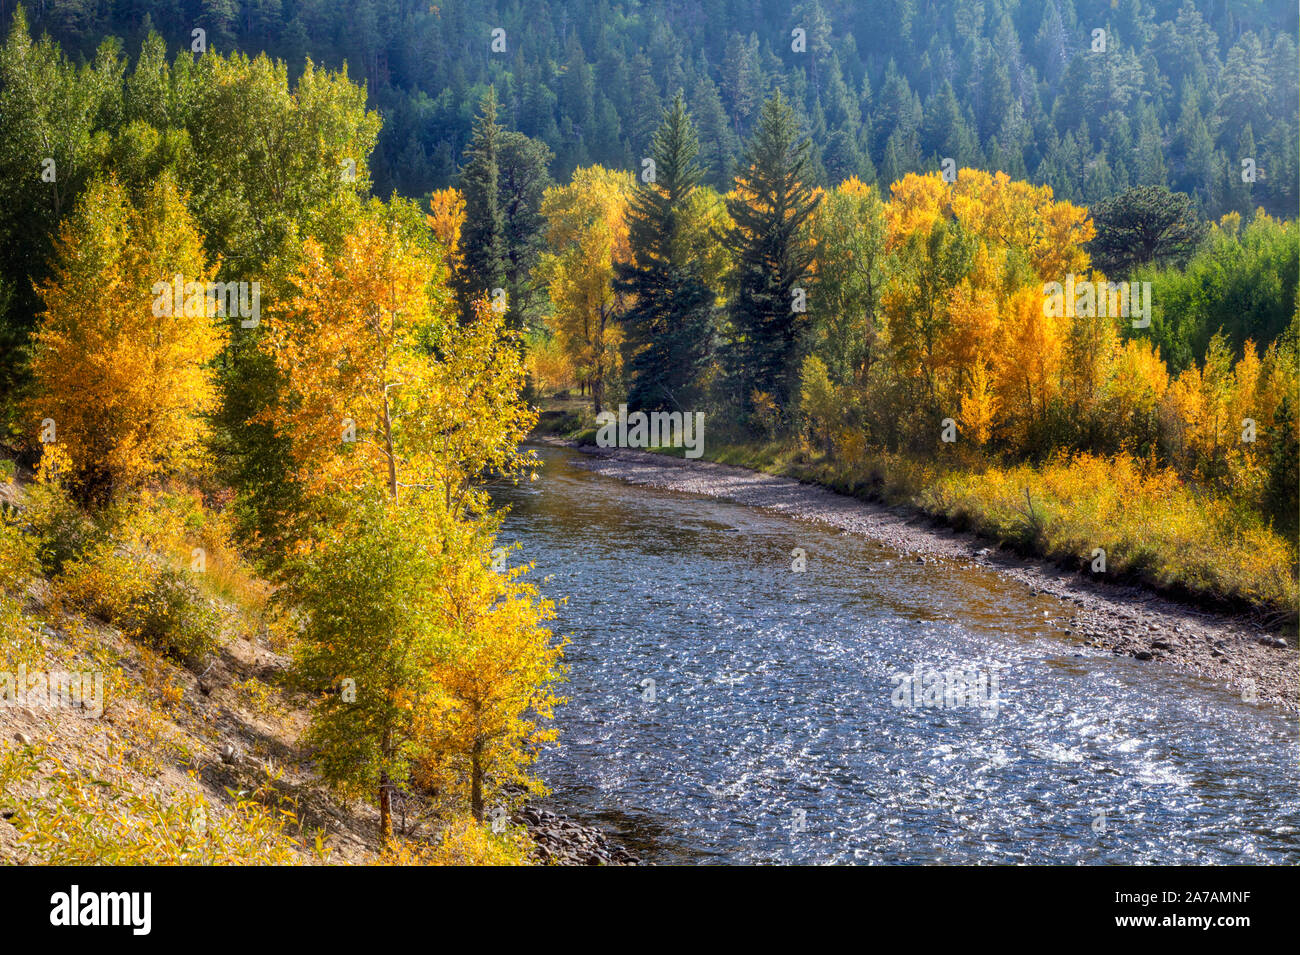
[776, 729]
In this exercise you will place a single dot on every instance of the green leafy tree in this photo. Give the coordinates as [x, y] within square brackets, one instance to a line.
[49, 111]
[370, 641]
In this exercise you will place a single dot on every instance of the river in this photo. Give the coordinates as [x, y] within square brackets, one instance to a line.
[775, 729]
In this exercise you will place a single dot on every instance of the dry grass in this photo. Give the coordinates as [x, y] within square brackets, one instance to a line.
[1153, 526]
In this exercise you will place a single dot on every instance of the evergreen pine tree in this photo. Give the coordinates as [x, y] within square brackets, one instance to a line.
[772, 258]
[522, 180]
[669, 327]
[718, 143]
[482, 239]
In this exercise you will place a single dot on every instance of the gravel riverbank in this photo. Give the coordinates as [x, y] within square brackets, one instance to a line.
[1242, 654]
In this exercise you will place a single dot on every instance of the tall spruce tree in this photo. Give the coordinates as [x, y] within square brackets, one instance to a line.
[669, 328]
[483, 237]
[773, 199]
[523, 179]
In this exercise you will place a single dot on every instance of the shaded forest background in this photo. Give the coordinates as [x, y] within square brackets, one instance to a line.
[885, 88]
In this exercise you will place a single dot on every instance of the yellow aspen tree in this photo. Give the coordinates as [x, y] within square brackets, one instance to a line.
[491, 716]
[122, 357]
[978, 405]
[1137, 383]
[1027, 363]
[587, 232]
[1018, 215]
[446, 218]
[383, 385]
[1248, 416]
[915, 204]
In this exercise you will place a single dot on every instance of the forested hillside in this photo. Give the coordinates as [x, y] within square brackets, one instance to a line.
[1176, 93]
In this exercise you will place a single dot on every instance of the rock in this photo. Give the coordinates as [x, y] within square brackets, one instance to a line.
[23, 739]
[1161, 645]
[563, 841]
[1275, 642]
[1142, 654]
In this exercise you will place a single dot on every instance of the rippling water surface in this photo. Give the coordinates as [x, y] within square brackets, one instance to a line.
[773, 736]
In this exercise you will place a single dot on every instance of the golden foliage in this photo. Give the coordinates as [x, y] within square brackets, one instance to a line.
[84, 816]
[125, 389]
[587, 231]
[446, 218]
[491, 713]
[1150, 524]
[463, 841]
[384, 387]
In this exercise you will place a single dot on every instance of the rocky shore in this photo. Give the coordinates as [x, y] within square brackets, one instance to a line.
[562, 841]
[1245, 654]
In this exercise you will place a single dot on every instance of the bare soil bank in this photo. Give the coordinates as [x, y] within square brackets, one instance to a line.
[1233, 650]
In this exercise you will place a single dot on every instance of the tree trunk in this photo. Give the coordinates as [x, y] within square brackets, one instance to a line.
[385, 810]
[476, 781]
[388, 446]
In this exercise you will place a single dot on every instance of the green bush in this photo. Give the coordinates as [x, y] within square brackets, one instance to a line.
[18, 564]
[63, 533]
[152, 603]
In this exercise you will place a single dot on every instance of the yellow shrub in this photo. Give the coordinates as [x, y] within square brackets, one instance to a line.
[1149, 523]
[19, 641]
[68, 817]
[464, 842]
[154, 604]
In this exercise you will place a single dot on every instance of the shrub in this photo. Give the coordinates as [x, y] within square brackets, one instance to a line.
[18, 559]
[63, 533]
[464, 842]
[18, 563]
[1150, 524]
[154, 604]
[83, 819]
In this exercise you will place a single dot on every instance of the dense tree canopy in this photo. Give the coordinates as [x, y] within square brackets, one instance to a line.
[1180, 94]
